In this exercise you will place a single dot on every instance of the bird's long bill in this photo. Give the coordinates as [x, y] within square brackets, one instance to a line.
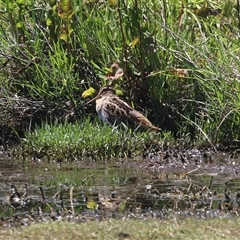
[90, 101]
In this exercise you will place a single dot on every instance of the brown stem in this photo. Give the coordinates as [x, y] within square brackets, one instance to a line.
[140, 41]
[238, 10]
[34, 60]
[124, 42]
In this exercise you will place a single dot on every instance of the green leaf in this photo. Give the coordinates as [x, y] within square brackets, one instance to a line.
[91, 204]
[65, 9]
[89, 92]
[134, 42]
[49, 22]
[19, 25]
[21, 2]
[119, 92]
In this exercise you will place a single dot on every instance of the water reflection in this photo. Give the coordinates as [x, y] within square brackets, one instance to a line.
[118, 189]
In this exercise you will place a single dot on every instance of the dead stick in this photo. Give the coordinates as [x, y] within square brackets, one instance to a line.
[71, 199]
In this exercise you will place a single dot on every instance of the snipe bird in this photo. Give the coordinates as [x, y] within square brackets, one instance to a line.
[114, 111]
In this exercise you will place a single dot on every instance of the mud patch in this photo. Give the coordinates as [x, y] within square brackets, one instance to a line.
[196, 183]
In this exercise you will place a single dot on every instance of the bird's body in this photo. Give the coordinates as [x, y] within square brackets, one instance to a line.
[114, 111]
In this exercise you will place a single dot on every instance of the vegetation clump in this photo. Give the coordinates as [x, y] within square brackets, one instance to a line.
[89, 140]
[179, 59]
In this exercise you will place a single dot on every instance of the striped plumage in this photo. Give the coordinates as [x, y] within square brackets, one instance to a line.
[114, 111]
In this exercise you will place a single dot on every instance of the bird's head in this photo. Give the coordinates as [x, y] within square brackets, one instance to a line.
[105, 90]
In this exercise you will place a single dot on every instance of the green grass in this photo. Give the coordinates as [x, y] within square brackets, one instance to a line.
[89, 140]
[130, 229]
[75, 42]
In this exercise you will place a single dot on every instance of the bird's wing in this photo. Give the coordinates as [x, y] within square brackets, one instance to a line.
[121, 110]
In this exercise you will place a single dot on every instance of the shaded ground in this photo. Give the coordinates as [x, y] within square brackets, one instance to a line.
[197, 183]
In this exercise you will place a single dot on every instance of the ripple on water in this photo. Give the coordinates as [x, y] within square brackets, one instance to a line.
[198, 182]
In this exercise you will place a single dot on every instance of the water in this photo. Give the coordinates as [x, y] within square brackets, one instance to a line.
[137, 188]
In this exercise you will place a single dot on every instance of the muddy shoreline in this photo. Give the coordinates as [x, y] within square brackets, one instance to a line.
[188, 183]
